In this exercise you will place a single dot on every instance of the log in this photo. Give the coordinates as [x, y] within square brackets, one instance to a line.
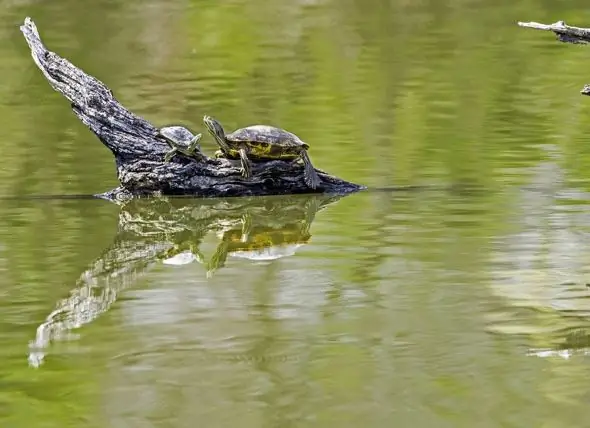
[565, 33]
[139, 152]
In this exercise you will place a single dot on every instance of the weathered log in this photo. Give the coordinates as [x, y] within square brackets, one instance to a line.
[565, 33]
[139, 153]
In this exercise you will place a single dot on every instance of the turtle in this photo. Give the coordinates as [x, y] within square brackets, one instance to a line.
[258, 242]
[261, 142]
[180, 140]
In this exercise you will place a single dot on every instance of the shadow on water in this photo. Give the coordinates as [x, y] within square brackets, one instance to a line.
[171, 231]
[455, 187]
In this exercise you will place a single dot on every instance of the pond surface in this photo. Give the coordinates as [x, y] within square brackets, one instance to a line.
[462, 302]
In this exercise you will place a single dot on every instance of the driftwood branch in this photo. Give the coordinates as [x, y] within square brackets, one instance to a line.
[565, 33]
[139, 153]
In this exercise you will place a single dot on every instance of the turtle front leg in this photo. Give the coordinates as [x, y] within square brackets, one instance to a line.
[246, 164]
[246, 227]
[170, 154]
[218, 259]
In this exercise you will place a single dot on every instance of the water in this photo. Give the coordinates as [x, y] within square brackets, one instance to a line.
[462, 302]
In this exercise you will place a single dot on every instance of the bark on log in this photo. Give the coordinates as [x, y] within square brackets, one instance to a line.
[565, 33]
[139, 153]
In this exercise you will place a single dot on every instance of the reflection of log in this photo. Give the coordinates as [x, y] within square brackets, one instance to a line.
[139, 153]
[153, 229]
[576, 342]
[565, 33]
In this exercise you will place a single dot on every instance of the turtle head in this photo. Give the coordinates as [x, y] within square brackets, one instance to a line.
[214, 127]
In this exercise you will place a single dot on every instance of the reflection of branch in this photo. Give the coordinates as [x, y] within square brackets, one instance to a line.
[139, 153]
[151, 230]
[96, 290]
[575, 343]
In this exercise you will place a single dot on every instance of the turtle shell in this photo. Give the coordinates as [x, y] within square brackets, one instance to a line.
[264, 135]
[179, 134]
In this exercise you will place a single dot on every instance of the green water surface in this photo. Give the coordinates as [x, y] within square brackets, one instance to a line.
[460, 304]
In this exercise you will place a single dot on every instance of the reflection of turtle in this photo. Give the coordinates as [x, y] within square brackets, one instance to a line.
[181, 140]
[262, 142]
[181, 254]
[259, 242]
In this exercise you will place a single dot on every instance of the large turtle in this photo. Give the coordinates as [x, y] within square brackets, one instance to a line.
[181, 140]
[262, 142]
[259, 242]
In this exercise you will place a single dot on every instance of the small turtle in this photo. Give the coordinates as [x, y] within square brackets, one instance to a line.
[181, 140]
[262, 142]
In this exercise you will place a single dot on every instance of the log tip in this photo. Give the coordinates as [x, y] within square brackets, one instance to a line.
[29, 30]
[29, 27]
[525, 24]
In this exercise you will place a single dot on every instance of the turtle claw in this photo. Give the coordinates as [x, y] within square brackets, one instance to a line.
[312, 180]
[310, 176]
